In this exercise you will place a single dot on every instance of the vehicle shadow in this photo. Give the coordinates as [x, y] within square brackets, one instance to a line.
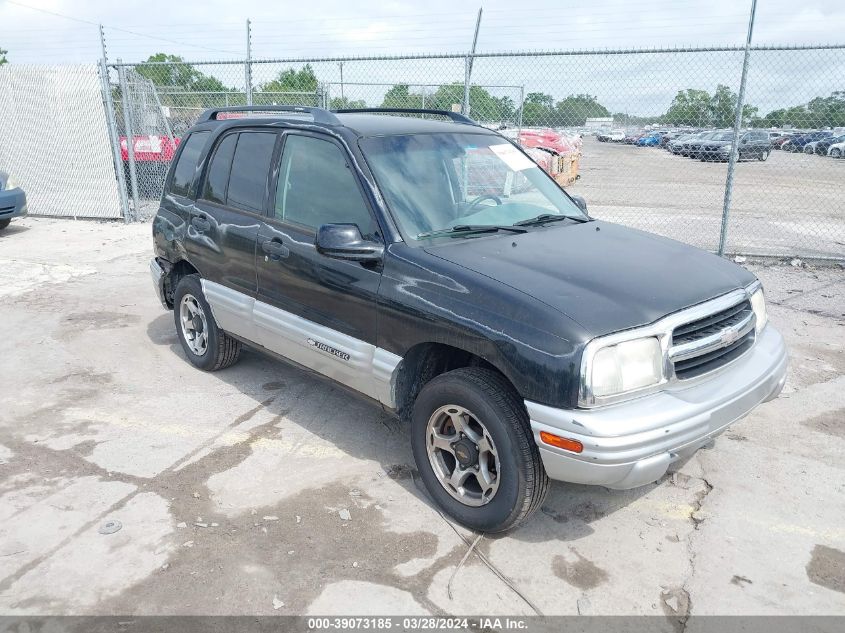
[13, 229]
[363, 430]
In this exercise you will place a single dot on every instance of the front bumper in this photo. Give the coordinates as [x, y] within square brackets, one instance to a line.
[633, 443]
[12, 203]
[158, 275]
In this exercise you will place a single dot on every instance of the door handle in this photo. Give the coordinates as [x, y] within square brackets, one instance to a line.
[275, 249]
[200, 224]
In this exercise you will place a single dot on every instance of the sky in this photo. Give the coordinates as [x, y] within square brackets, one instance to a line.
[65, 31]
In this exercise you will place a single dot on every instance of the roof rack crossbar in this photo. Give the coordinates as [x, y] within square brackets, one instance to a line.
[320, 115]
[457, 117]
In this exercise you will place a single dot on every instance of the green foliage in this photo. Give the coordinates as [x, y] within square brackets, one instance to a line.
[3, 59]
[819, 112]
[344, 103]
[689, 107]
[400, 96]
[541, 110]
[178, 75]
[292, 80]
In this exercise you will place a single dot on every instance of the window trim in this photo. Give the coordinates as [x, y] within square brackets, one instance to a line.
[276, 171]
[217, 141]
[192, 188]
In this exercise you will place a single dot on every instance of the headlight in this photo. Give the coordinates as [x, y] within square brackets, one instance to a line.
[758, 304]
[727, 148]
[624, 367]
[10, 183]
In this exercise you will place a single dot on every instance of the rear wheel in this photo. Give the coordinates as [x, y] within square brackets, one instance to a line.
[475, 451]
[4, 223]
[836, 152]
[206, 345]
[764, 155]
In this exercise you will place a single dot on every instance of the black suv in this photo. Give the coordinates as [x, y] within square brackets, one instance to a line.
[429, 264]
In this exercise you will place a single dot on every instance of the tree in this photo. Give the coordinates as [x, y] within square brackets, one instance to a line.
[343, 103]
[723, 107]
[537, 109]
[292, 80]
[576, 109]
[400, 96]
[171, 71]
[689, 107]
[3, 59]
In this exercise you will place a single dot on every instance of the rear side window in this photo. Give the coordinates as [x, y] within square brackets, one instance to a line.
[250, 170]
[183, 175]
[218, 170]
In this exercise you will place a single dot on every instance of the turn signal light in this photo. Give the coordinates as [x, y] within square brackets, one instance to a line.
[561, 442]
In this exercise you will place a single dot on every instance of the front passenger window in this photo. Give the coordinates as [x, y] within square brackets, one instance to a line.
[316, 186]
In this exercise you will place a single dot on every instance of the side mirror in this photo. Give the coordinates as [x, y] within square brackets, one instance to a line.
[578, 200]
[344, 241]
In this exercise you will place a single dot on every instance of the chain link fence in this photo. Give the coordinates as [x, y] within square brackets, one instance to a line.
[643, 135]
[54, 140]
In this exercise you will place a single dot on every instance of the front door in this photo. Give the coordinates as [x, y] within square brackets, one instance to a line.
[318, 311]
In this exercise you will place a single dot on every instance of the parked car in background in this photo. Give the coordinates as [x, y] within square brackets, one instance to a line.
[676, 146]
[797, 143]
[779, 141]
[613, 136]
[821, 147]
[311, 240]
[752, 144]
[689, 148]
[12, 200]
[837, 150]
[649, 140]
[631, 137]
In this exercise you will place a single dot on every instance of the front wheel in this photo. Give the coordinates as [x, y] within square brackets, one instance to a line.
[764, 155]
[4, 223]
[835, 152]
[475, 452]
[206, 345]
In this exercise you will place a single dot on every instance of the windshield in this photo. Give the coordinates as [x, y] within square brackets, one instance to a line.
[722, 136]
[434, 182]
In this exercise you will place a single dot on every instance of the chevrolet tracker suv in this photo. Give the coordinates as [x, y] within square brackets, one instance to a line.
[430, 265]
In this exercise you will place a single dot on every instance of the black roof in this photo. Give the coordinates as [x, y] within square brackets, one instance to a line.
[367, 122]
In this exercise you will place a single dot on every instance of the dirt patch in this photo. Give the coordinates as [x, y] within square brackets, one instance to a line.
[830, 422]
[582, 573]
[827, 568]
[77, 322]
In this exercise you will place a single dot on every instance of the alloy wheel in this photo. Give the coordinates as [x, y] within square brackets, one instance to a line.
[462, 455]
[194, 324]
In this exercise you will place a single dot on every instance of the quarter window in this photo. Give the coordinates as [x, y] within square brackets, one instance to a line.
[183, 174]
[250, 168]
[316, 186]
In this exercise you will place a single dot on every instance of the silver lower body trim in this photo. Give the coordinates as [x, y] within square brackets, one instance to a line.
[346, 359]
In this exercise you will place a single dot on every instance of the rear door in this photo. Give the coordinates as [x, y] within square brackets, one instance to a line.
[318, 311]
[227, 216]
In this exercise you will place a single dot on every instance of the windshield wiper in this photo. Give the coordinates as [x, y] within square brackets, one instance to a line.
[549, 217]
[467, 229]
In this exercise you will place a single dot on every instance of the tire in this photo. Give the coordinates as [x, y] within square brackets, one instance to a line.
[5, 223]
[835, 152]
[764, 155]
[491, 410]
[220, 350]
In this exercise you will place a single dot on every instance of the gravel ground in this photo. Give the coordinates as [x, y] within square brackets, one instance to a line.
[261, 490]
[792, 203]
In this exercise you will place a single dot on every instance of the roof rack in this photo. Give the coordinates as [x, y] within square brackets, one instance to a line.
[319, 114]
[457, 117]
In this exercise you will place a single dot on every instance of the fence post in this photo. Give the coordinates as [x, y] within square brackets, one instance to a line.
[468, 67]
[734, 156]
[248, 65]
[115, 139]
[521, 108]
[130, 138]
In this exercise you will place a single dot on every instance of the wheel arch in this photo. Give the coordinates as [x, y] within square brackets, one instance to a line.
[173, 273]
[425, 361]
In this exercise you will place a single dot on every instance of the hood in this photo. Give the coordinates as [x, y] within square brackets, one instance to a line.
[718, 143]
[603, 276]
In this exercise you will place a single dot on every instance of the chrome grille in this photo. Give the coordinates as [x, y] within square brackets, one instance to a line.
[706, 344]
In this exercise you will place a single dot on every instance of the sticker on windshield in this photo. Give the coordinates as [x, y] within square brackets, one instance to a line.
[512, 157]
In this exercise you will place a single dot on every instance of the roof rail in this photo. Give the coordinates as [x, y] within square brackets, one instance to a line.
[319, 114]
[457, 117]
